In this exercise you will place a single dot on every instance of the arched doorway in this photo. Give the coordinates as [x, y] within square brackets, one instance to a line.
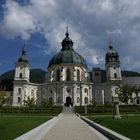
[68, 101]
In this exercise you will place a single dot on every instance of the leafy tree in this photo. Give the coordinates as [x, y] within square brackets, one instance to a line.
[47, 103]
[93, 102]
[30, 102]
[124, 92]
[3, 98]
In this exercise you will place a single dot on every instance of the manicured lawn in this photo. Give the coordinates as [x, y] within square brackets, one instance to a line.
[128, 126]
[14, 126]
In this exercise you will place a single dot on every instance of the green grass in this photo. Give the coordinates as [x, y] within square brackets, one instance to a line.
[128, 126]
[14, 126]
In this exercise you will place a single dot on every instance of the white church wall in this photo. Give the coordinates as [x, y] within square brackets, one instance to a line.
[102, 93]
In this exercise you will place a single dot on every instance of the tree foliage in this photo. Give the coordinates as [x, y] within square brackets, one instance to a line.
[29, 102]
[46, 103]
[124, 93]
[3, 98]
[93, 103]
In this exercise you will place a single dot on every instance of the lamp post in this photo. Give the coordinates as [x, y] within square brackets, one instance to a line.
[115, 111]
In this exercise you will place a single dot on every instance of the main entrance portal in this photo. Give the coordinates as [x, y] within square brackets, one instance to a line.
[68, 101]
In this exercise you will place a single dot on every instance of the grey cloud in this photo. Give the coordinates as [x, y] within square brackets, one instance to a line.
[91, 24]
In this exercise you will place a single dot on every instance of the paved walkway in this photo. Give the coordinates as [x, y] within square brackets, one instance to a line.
[70, 127]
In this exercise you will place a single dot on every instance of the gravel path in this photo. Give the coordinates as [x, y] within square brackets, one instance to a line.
[70, 127]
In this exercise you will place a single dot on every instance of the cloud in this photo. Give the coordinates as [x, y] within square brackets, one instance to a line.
[17, 21]
[91, 24]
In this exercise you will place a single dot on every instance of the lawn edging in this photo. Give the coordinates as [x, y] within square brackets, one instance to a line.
[105, 131]
[40, 131]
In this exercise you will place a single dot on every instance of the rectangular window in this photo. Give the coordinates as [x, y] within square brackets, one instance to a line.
[115, 75]
[18, 99]
[20, 75]
[96, 74]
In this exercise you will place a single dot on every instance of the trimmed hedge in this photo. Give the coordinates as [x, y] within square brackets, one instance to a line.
[106, 109]
[49, 109]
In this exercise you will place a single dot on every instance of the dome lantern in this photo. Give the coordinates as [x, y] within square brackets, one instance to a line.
[67, 43]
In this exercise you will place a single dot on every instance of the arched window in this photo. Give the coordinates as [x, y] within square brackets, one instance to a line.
[86, 91]
[78, 75]
[20, 75]
[19, 91]
[78, 99]
[68, 75]
[68, 91]
[18, 100]
[86, 100]
[115, 75]
[58, 75]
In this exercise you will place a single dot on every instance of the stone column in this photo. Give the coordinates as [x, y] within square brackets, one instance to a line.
[54, 96]
[63, 95]
[81, 98]
[73, 94]
[115, 111]
[103, 97]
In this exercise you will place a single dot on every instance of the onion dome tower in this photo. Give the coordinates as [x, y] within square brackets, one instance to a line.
[67, 62]
[113, 70]
[22, 67]
[67, 55]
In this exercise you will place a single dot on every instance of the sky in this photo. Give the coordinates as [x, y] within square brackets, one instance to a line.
[92, 25]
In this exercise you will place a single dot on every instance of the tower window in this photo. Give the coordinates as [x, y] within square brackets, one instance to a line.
[58, 75]
[78, 75]
[68, 75]
[114, 67]
[20, 75]
[96, 74]
[18, 99]
[115, 75]
[19, 91]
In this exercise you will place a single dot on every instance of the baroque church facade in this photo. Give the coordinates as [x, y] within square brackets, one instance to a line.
[68, 80]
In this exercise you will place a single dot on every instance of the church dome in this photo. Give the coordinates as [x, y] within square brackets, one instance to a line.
[67, 55]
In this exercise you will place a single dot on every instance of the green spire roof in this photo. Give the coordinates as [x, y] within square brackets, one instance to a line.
[23, 57]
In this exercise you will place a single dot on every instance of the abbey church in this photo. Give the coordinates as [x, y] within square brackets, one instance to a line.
[68, 80]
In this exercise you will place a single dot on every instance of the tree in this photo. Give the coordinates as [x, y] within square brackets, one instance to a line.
[29, 102]
[124, 93]
[47, 103]
[3, 98]
[93, 102]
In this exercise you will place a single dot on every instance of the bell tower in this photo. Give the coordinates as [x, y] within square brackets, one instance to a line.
[22, 69]
[113, 70]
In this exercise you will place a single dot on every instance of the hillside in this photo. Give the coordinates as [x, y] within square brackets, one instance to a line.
[36, 75]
